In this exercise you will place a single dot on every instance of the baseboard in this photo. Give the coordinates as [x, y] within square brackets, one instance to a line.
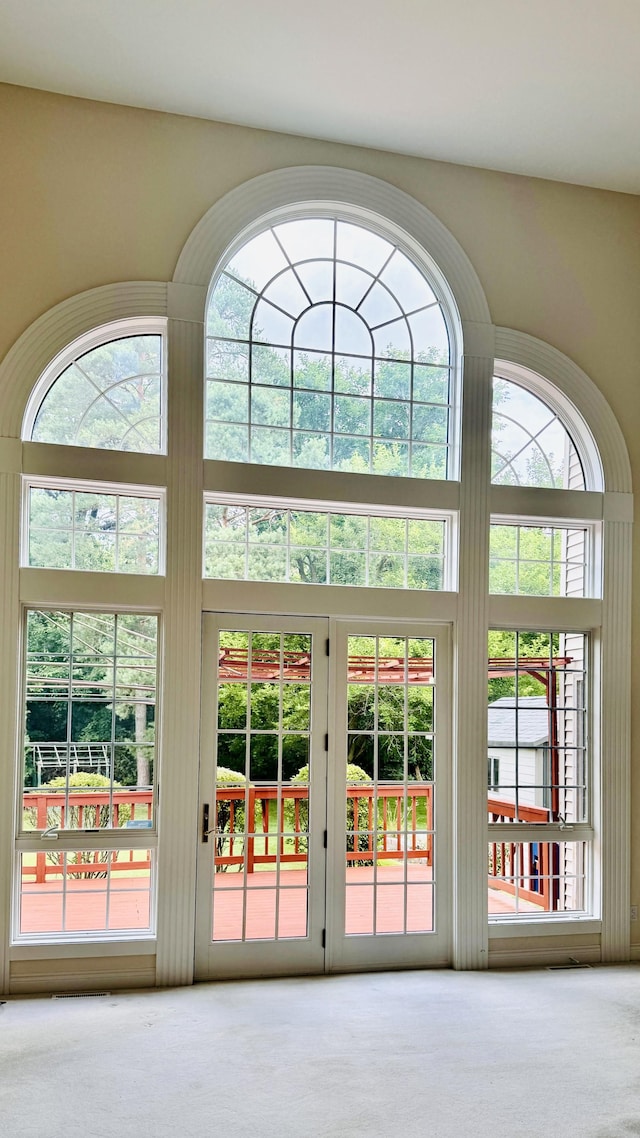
[52, 976]
[547, 955]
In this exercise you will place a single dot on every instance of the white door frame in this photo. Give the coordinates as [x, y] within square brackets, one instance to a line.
[407, 950]
[286, 956]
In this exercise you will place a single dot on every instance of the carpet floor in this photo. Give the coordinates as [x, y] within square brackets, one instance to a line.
[528, 1054]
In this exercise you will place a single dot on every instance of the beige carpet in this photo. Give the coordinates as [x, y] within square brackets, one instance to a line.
[546, 1054]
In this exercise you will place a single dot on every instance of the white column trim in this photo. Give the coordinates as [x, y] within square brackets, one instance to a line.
[470, 930]
[615, 741]
[178, 779]
[10, 495]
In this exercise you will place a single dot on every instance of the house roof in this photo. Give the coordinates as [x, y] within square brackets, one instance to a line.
[533, 721]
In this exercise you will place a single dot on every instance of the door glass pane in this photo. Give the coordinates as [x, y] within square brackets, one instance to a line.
[390, 780]
[263, 755]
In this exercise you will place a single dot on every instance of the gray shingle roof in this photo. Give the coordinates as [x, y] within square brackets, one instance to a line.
[533, 721]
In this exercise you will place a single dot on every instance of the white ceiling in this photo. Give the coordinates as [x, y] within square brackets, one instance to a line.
[543, 87]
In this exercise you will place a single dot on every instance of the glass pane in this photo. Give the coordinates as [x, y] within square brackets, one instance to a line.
[304, 538]
[104, 532]
[226, 360]
[406, 283]
[261, 842]
[390, 786]
[527, 879]
[85, 891]
[286, 292]
[90, 721]
[312, 370]
[111, 397]
[351, 340]
[530, 445]
[538, 560]
[537, 727]
[228, 402]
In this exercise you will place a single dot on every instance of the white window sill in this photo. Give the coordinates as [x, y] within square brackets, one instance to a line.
[550, 926]
[51, 950]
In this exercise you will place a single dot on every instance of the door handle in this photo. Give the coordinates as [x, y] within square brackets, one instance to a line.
[205, 822]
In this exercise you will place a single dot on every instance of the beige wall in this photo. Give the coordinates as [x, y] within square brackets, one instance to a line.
[93, 193]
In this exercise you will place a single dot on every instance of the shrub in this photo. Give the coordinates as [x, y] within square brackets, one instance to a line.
[355, 774]
[225, 777]
[94, 817]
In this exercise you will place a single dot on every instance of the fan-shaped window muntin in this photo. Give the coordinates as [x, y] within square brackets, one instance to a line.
[109, 396]
[351, 332]
[530, 444]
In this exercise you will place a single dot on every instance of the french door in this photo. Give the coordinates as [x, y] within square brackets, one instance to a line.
[324, 843]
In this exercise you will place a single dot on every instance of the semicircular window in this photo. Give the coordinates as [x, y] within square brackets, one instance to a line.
[109, 397]
[327, 348]
[530, 445]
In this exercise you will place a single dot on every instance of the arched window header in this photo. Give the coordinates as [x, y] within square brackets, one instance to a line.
[328, 346]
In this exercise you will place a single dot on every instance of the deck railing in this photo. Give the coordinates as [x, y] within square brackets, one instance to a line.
[527, 864]
[83, 810]
[383, 825]
[394, 834]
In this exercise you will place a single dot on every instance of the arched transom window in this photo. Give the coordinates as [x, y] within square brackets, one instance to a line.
[328, 347]
[109, 397]
[530, 445]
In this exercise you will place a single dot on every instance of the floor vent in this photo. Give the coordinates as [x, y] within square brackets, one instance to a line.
[80, 995]
[563, 967]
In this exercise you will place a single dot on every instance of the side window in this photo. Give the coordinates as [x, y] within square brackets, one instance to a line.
[78, 526]
[88, 776]
[110, 397]
[530, 446]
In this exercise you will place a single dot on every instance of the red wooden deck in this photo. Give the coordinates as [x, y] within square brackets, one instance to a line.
[85, 904]
[111, 893]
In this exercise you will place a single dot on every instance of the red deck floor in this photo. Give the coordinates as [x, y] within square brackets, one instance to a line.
[85, 904]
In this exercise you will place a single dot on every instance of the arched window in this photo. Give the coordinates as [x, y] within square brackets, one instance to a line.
[530, 445]
[109, 395]
[329, 347]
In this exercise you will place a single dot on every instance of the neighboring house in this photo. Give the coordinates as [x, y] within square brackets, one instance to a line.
[518, 754]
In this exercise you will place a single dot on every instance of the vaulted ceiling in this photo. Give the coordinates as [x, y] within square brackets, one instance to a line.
[549, 88]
